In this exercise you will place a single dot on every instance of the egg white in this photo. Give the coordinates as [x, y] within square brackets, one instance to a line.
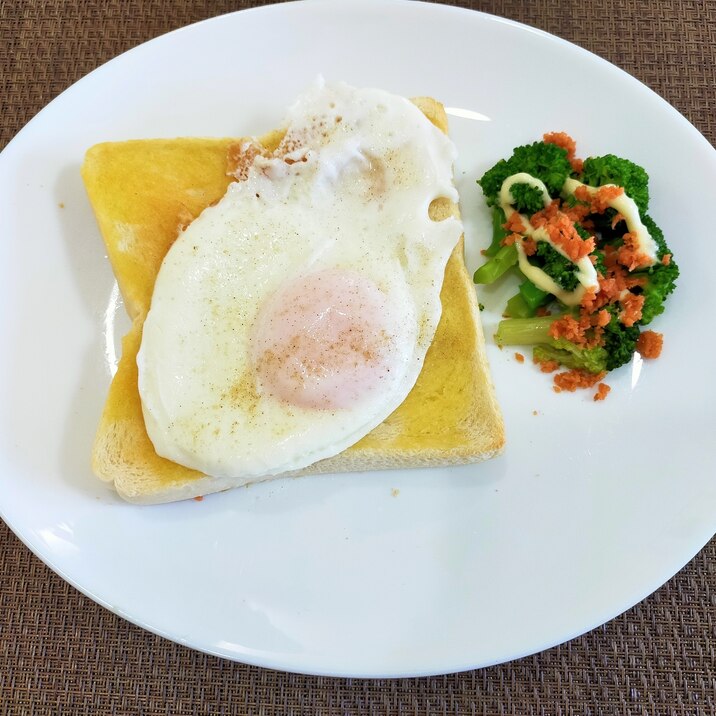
[348, 191]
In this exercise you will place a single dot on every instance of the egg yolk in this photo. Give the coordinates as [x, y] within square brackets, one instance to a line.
[324, 340]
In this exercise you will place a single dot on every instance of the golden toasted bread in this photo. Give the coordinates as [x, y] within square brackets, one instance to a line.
[143, 193]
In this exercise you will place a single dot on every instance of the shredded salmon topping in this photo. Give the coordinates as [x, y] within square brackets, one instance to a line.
[560, 229]
[632, 306]
[589, 300]
[543, 216]
[568, 327]
[529, 245]
[602, 198]
[510, 239]
[519, 358]
[578, 212]
[649, 344]
[546, 366]
[602, 318]
[619, 272]
[599, 201]
[666, 259]
[602, 391]
[563, 234]
[612, 285]
[562, 139]
[630, 254]
[572, 379]
[514, 223]
[585, 331]
[582, 194]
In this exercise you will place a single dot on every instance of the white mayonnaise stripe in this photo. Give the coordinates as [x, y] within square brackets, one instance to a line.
[506, 198]
[586, 273]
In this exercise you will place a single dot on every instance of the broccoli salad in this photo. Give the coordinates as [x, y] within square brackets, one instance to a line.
[594, 266]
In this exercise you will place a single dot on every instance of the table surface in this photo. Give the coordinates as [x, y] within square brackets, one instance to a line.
[60, 653]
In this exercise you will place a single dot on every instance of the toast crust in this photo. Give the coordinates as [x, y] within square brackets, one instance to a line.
[143, 193]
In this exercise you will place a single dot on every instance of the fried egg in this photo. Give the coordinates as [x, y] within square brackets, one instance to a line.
[292, 317]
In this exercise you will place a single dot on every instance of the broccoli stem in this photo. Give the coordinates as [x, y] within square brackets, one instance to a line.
[524, 331]
[517, 307]
[502, 261]
[534, 296]
[498, 232]
[525, 303]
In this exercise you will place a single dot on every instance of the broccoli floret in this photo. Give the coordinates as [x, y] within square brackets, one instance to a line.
[535, 332]
[527, 199]
[582, 231]
[619, 342]
[570, 355]
[610, 169]
[599, 265]
[556, 266]
[547, 162]
[659, 280]
[657, 234]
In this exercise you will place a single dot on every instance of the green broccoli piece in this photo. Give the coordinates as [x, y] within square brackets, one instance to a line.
[598, 255]
[619, 341]
[535, 332]
[550, 164]
[659, 280]
[582, 231]
[657, 234]
[526, 301]
[498, 231]
[599, 265]
[547, 162]
[618, 349]
[610, 169]
[527, 199]
[517, 307]
[570, 355]
[502, 261]
[556, 266]
[524, 331]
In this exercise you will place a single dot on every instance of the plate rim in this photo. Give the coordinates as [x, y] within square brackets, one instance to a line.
[273, 662]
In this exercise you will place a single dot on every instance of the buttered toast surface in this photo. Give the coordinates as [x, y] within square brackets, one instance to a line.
[143, 193]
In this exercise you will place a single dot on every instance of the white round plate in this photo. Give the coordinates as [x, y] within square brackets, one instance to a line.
[592, 506]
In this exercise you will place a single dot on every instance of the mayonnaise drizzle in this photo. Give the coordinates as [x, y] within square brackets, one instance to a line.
[586, 273]
[506, 198]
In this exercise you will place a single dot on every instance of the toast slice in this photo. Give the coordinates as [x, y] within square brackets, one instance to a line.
[143, 193]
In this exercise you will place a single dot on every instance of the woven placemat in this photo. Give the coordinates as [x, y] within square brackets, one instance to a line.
[62, 654]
